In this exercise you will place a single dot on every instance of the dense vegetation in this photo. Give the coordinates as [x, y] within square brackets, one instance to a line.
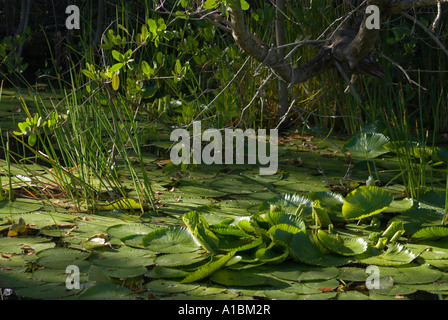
[85, 177]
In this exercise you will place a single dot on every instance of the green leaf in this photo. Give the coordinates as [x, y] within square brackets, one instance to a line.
[275, 218]
[365, 201]
[32, 139]
[274, 254]
[208, 269]
[283, 233]
[89, 74]
[116, 67]
[346, 246]
[200, 230]
[115, 81]
[170, 240]
[303, 250]
[211, 4]
[367, 145]
[118, 56]
[241, 278]
[146, 68]
[244, 5]
[179, 259]
[395, 255]
[169, 286]
[290, 203]
[430, 233]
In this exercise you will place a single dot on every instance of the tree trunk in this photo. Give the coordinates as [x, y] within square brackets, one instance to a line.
[283, 96]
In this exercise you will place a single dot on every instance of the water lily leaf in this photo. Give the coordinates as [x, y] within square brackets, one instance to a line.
[59, 258]
[124, 272]
[433, 200]
[367, 145]
[332, 202]
[208, 269]
[303, 250]
[168, 286]
[290, 203]
[121, 257]
[166, 272]
[395, 255]
[275, 253]
[400, 205]
[417, 274]
[229, 244]
[124, 230]
[298, 272]
[240, 184]
[415, 219]
[439, 286]
[19, 206]
[365, 201]
[47, 291]
[275, 218]
[283, 233]
[20, 244]
[170, 240]
[346, 246]
[107, 291]
[430, 233]
[241, 278]
[200, 230]
[179, 259]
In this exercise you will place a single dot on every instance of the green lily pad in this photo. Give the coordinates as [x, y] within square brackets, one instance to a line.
[400, 205]
[365, 201]
[19, 206]
[60, 258]
[170, 240]
[367, 145]
[395, 255]
[346, 246]
[168, 286]
[124, 230]
[303, 250]
[411, 274]
[290, 203]
[298, 272]
[430, 233]
[179, 259]
[240, 184]
[107, 291]
[415, 219]
[121, 257]
[240, 278]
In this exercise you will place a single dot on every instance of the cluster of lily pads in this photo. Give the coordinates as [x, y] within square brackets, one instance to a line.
[314, 246]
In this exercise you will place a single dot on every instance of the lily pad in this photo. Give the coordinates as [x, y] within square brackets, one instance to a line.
[124, 230]
[170, 240]
[395, 255]
[59, 258]
[365, 201]
[303, 250]
[298, 272]
[240, 278]
[346, 246]
[19, 206]
[168, 286]
[179, 259]
[367, 145]
[290, 203]
[430, 233]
